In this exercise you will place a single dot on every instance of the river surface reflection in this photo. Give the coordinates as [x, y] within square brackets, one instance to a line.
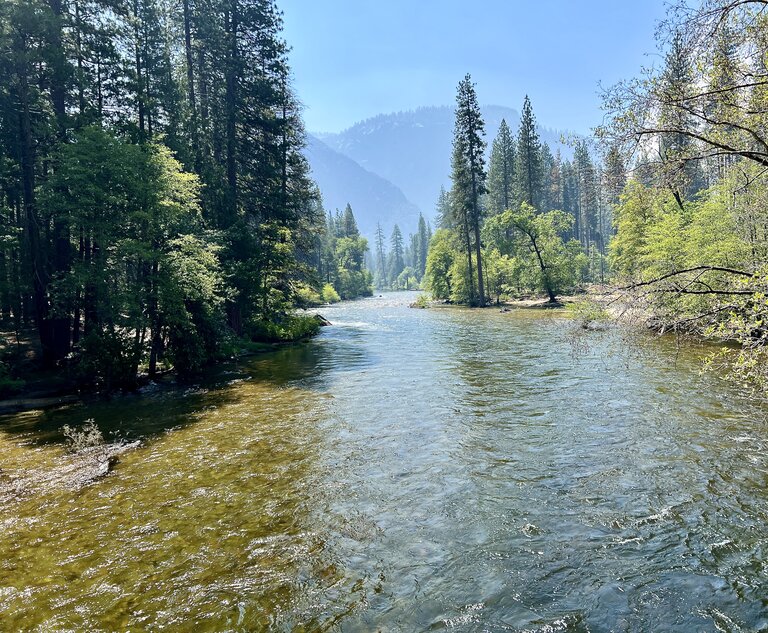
[408, 470]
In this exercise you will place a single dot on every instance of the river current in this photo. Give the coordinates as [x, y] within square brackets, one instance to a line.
[408, 470]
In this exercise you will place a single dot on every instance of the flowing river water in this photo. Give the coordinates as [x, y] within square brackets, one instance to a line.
[408, 470]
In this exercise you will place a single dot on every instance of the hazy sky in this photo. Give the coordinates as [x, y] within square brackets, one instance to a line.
[353, 59]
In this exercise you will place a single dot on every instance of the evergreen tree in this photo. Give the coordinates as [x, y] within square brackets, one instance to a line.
[397, 254]
[547, 165]
[350, 225]
[528, 167]
[586, 182]
[683, 177]
[382, 280]
[614, 176]
[468, 176]
[422, 247]
[501, 171]
[131, 79]
[443, 210]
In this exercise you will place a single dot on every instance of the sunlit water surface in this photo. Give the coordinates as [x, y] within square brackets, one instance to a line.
[409, 470]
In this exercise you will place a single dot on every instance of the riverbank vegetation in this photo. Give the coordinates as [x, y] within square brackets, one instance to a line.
[691, 243]
[674, 213]
[399, 263]
[532, 222]
[155, 204]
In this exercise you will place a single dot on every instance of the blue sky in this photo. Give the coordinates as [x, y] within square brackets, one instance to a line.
[353, 59]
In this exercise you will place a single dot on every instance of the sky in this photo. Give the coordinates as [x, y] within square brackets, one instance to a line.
[353, 59]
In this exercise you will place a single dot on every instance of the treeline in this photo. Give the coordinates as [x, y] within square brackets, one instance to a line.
[341, 253]
[692, 224]
[154, 200]
[401, 264]
[531, 222]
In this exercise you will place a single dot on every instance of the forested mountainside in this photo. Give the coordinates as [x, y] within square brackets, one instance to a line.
[343, 181]
[412, 149]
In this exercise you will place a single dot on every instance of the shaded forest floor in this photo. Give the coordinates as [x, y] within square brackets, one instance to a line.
[25, 383]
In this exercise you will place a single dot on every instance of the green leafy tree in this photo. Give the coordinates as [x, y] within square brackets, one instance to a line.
[442, 254]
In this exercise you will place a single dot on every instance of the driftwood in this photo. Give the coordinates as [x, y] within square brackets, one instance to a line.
[322, 320]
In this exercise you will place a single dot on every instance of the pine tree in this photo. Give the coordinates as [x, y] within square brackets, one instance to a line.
[443, 210]
[570, 192]
[207, 79]
[422, 247]
[501, 171]
[350, 225]
[556, 183]
[586, 182]
[468, 175]
[683, 177]
[381, 265]
[547, 165]
[397, 254]
[528, 168]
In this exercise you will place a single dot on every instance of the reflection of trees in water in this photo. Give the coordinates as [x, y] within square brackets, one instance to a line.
[307, 366]
[313, 365]
[214, 522]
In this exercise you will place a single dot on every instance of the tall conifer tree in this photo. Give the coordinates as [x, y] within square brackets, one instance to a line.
[468, 175]
[501, 171]
[528, 168]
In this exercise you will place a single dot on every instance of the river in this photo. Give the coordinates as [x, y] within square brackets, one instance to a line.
[408, 470]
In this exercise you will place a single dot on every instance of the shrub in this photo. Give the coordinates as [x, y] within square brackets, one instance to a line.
[289, 328]
[330, 295]
[108, 360]
[308, 297]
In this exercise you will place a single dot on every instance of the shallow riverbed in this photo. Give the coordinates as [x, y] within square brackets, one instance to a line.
[408, 470]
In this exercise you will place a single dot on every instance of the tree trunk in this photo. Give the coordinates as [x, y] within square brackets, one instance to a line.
[544, 272]
[138, 70]
[231, 106]
[469, 260]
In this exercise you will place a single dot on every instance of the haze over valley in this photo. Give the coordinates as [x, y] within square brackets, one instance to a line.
[398, 162]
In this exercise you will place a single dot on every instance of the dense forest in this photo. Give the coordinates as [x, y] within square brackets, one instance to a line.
[673, 212]
[531, 221]
[155, 204]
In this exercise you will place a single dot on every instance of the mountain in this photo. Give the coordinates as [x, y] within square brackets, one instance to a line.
[374, 199]
[413, 149]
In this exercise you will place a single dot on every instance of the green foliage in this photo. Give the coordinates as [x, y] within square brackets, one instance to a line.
[547, 262]
[342, 259]
[406, 280]
[442, 253]
[531, 248]
[290, 328]
[108, 360]
[308, 297]
[329, 294]
[154, 200]
[8, 384]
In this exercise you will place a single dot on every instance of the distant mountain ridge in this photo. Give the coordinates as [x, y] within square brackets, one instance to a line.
[374, 199]
[391, 166]
[412, 149]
